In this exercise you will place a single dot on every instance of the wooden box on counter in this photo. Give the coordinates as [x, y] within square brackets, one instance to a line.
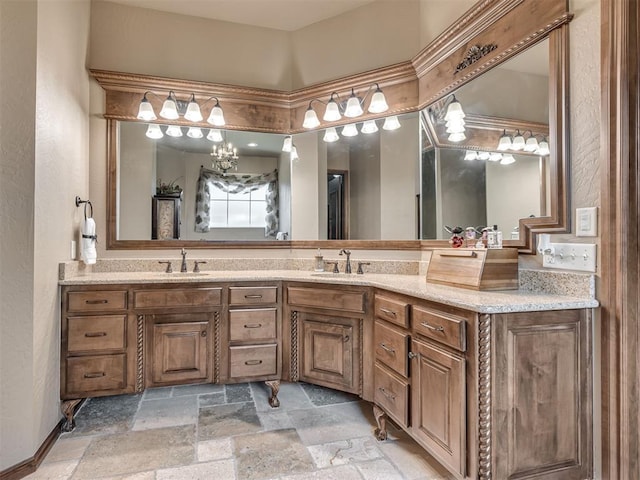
[477, 269]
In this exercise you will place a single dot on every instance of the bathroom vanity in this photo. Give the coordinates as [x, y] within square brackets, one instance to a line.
[492, 384]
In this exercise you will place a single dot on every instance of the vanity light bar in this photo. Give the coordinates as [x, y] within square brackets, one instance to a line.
[172, 108]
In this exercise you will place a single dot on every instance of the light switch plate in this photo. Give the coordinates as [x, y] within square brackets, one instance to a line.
[587, 222]
[571, 256]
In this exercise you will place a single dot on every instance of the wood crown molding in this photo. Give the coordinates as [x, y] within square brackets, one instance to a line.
[409, 86]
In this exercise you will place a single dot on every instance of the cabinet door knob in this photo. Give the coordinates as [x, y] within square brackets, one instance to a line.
[203, 333]
[413, 355]
[346, 338]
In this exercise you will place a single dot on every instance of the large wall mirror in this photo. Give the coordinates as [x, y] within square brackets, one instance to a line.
[389, 188]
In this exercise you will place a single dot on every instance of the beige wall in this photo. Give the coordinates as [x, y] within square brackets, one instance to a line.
[47, 138]
[139, 40]
[376, 35]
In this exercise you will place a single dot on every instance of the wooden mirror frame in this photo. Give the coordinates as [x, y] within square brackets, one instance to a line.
[489, 33]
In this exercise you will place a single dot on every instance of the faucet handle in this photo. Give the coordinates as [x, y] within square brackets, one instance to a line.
[360, 264]
[169, 269]
[196, 268]
[335, 266]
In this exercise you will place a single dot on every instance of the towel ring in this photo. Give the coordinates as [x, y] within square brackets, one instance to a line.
[86, 202]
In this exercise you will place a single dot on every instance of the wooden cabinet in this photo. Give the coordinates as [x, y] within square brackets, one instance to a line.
[180, 349]
[98, 354]
[541, 392]
[438, 404]
[330, 350]
[331, 339]
[253, 334]
[391, 347]
[491, 396]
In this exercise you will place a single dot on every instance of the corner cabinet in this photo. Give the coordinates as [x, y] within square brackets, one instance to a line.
[330, 336]
[502, 396]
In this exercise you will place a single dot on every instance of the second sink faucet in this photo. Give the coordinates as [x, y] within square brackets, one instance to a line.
[183, 267]
[347, 267]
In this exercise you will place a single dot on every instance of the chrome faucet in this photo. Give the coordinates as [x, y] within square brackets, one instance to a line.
[347, 267]
[183, 267]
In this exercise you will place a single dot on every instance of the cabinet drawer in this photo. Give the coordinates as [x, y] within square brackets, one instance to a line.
[255, 324]
[177, 297]
[252, 295]
[392, 347]
[392, 310]
[440, 326]
[253, 361]
[104, 300]
[326, 299]
[392, 394]
[96, 373]
[106, 332]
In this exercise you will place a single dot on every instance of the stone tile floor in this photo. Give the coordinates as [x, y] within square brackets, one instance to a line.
[218, 432]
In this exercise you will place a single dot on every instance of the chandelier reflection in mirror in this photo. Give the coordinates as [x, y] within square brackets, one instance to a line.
[352, 107]
[172, 108]
[224, 157]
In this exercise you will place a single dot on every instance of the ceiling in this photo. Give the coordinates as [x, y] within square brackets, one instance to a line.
[286, 15]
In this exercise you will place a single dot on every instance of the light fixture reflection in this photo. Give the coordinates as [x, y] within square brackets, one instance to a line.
[215, 135]
[174, 131]
[154, 131]
[369, 126]
[507, 159]
[331, 135]
[391, 123]
[349, 130]
[294, 153]
[287, 144]
[456, 137]
[194, 132]
[471, 155]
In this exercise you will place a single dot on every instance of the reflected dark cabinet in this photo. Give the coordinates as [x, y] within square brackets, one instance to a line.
[165, 217]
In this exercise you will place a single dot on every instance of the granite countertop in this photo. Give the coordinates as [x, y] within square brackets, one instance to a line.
[414, 285]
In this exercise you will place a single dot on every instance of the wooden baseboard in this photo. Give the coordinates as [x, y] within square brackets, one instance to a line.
[22, 469]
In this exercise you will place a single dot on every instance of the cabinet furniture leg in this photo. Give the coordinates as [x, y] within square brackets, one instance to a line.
[274, 385]
[68, 408]
[381, 420]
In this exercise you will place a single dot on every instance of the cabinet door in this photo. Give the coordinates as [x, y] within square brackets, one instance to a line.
[330, 348]
[438, 405]
[541, 408]
[180, 352]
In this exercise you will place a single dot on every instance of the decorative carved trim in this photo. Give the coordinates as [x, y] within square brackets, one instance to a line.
[499, 58]
[140, 354]
[474, 54]
[361, 356]
[216, 348]
[484, 397]
[294, 346]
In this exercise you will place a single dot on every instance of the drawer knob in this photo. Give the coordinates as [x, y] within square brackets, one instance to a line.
[431, 327]
[95, 334]
[94, 375]
[96, 302]
[388, 349]
[253, 362]
[253, 325]
[390, 396]
[388, 312]
[252, 296]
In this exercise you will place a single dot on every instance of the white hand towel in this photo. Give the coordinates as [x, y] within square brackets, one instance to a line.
[88, 244]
